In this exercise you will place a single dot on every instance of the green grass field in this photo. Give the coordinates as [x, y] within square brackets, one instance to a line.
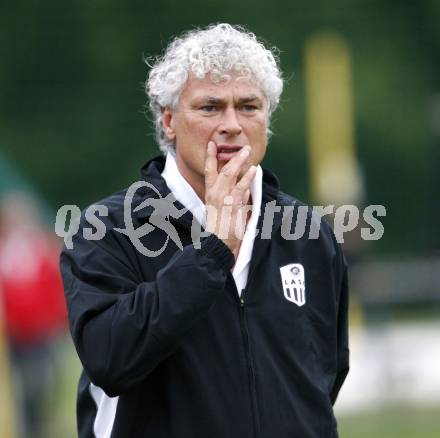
[402, 421]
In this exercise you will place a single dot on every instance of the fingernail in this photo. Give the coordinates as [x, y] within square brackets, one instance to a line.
[246, 150]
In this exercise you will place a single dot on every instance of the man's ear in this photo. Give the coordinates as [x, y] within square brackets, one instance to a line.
[168, 123]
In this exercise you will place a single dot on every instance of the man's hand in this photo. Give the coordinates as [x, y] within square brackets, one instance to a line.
[226, 198]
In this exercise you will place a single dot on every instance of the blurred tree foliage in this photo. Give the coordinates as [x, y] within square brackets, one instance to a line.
[72, 101]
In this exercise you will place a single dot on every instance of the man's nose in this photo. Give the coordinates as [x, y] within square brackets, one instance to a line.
[230, 124]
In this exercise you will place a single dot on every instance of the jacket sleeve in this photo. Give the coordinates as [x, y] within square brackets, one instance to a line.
[342, 333]
[122, 328]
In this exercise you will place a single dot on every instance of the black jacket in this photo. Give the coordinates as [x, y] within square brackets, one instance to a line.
[187, 357]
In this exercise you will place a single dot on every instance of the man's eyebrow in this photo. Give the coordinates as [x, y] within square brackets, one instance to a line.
[248, 99]
[210, 100]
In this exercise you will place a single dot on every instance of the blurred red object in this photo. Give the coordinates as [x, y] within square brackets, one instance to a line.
[30, 282]
[33, 300]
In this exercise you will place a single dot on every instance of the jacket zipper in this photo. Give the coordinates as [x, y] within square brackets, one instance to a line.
[249, 363]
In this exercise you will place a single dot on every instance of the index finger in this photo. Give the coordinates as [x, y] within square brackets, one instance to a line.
[211, 164]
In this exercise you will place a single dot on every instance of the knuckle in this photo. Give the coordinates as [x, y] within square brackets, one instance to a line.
[240, 186]
[228, 200]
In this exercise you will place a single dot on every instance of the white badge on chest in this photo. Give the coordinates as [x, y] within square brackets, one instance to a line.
[294, 285]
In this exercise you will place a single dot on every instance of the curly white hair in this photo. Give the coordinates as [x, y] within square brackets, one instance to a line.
[218, 49]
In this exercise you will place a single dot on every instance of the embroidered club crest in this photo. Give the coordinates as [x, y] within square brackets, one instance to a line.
[293, 280]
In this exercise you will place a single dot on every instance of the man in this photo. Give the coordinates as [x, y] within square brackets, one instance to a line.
[242, 333]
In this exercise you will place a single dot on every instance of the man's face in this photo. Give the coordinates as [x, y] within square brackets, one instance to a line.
[229, 114]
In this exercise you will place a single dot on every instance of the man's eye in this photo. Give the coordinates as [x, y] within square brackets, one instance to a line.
[249, 108]
[208, 108]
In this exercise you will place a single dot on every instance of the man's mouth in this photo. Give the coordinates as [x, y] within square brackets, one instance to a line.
[226, 152]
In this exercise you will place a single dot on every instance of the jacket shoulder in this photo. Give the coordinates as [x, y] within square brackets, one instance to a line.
[109, 209]
[314, 219]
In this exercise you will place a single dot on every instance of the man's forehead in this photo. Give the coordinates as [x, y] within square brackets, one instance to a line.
[241, 87]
